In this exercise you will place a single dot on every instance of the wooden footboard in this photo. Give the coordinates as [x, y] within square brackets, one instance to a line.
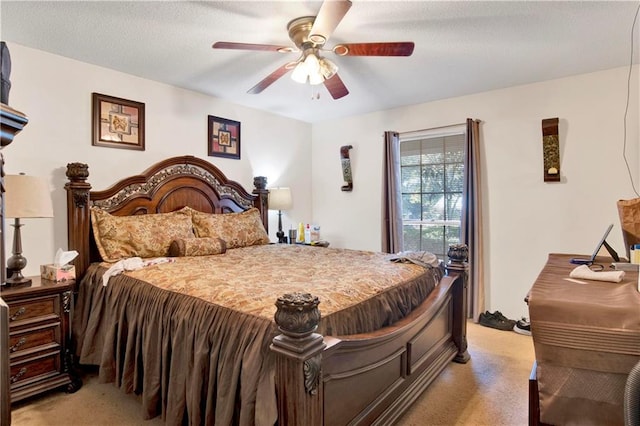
[368, 378]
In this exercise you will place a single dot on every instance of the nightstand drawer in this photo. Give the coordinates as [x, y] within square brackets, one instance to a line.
[30, 340]
[33, 310]
[35, 368]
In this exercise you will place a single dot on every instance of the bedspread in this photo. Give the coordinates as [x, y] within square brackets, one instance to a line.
[195, 343]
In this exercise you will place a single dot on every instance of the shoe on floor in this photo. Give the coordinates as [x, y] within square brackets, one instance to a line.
[501, 317]
[496, 320]
[523, 326]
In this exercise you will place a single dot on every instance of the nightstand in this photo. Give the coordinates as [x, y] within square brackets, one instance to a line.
[39, 337]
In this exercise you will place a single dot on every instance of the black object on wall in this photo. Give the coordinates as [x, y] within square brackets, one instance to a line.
[5, 61]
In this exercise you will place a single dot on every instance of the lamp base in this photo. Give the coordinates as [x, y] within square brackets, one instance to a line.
[17, 279]
[280, 233]
[17, 262]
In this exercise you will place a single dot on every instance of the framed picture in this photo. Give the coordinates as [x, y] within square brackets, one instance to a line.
[117, 123]
[224, 138]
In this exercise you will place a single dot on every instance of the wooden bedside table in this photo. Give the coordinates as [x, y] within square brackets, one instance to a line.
[39, 337]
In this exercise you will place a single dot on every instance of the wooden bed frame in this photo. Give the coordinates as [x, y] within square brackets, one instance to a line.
[368, 378]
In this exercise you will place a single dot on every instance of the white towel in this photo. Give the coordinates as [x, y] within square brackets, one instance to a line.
[131, 264]
[584, 272]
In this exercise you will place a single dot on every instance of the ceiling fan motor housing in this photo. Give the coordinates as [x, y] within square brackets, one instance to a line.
[299, 30]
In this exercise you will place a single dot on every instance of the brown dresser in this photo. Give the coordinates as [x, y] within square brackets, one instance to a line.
[39, 333]
[586, 337]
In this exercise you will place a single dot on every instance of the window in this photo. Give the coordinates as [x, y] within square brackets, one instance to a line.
[432, 177]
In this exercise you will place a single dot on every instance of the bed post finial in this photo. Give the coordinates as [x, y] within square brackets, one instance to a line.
[458, 265]
[78, 214]
[298, 360]
[262, 202]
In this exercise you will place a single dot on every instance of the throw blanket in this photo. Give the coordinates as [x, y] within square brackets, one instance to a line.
[423, 258]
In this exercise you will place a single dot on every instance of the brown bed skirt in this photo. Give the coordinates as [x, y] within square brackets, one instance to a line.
[178, 353]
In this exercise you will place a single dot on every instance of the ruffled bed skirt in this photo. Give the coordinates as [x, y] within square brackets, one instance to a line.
[191, 362]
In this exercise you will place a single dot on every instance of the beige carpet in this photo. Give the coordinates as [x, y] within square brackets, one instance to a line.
[489, 390]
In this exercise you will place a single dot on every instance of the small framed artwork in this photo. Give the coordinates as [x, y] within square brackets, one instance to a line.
[117, 123]
[224, 138]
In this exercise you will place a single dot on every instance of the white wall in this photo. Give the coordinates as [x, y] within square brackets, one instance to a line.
[524, 218]
[55, 93]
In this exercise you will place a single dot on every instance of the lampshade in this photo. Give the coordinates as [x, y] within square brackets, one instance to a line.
[27, 196]
[280, 199]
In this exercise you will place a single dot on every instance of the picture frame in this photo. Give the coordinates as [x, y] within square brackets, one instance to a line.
[223, 138]
[117, 122]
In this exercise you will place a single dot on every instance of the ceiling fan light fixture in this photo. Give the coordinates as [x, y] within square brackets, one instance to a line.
[313, 64]
[327, 68]
[300, 73]
[316, 78]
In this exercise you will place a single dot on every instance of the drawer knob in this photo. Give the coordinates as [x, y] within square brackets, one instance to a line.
[21, 373]
[15, 347]
[15, 316]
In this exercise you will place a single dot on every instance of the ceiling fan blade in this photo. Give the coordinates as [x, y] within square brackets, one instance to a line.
[336, 87]
[270, 79]
[404, 48]
[251, 46]
[330, 14]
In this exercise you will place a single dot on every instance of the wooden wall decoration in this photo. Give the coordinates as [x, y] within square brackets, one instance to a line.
[346, 168]
[551, 149]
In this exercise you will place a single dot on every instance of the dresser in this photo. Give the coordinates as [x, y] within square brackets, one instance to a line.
[39, 335]
[586, 337]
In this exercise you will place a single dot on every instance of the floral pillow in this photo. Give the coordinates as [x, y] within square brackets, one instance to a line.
[145, 235]
[197, 247]
[236, 229]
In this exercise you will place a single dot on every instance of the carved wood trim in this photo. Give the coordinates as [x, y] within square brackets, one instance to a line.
[11, 123]
[159, 178]
[458, 266]
[298, 360]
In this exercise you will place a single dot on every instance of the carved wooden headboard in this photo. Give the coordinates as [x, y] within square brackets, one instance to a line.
[164, 187]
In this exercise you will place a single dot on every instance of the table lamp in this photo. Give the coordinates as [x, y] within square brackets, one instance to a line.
[280, 199]
[25, 197]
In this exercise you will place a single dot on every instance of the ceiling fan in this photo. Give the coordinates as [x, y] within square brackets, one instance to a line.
[309, 35]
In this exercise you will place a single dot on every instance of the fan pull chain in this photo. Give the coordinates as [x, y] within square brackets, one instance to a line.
[314, 95]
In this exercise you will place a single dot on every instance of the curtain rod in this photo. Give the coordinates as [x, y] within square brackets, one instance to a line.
[432, 128]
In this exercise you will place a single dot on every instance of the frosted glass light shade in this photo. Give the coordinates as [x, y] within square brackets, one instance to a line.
[316, 78]
[327, 68]
[313, 65]
[300, 73]
[280, 199]
[27, 196]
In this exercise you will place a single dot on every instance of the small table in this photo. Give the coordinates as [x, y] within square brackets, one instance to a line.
[586, 339]
[39, 337]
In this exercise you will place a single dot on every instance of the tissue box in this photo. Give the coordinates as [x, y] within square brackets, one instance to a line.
[58, 273]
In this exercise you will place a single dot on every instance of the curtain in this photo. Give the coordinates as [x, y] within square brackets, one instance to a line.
[471, 223]
[391, 195]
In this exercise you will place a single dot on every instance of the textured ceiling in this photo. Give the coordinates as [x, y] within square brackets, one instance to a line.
[460, 47]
